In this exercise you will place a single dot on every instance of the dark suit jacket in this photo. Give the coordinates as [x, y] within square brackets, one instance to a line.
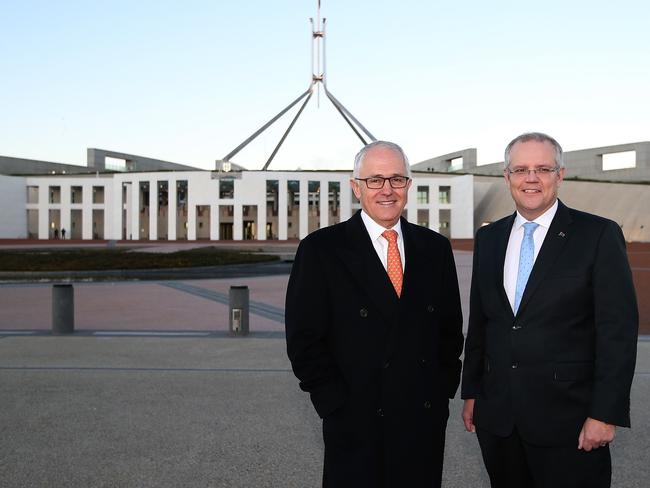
[570, 351]
[379, 368]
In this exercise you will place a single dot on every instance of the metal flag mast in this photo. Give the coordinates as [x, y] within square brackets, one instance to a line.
[318, 77]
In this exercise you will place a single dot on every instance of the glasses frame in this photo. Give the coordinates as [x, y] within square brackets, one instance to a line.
[383, 183]
[540, 172]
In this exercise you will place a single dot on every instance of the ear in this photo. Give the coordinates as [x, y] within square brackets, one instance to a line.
[506, 176]
[355, 188]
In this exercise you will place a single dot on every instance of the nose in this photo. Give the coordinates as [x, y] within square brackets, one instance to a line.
[531, 175]
[386, 189]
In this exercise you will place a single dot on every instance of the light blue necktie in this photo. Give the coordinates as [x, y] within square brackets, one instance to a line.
[526, 260]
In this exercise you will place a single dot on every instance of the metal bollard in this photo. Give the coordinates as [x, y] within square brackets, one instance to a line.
[62, 309]
[238, 298]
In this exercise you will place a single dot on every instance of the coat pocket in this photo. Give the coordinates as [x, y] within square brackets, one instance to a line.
[573, 371]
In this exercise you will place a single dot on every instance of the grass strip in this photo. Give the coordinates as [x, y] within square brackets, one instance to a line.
[111, 259]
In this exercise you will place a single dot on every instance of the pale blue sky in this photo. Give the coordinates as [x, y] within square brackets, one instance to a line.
[187, 81]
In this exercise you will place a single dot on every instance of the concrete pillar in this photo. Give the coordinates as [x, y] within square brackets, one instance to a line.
[239, 308]
[324, 203]
[153, 210]
[282, 210]
[62, 309]
[304, 208]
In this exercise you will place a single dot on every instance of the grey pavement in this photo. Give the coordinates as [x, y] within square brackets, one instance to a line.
[151, 392]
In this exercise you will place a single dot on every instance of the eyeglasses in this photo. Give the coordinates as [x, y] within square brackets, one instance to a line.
[378, 182]
[541, 172]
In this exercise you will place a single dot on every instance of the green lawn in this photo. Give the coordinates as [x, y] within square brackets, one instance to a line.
[110, 259]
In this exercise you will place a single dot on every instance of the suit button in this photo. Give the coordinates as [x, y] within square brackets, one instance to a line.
[380, 412]
[427, 404]
[430, 308]
[423, 361]
[516, 327]
[515, 365]
[386, 364]
[363, 313]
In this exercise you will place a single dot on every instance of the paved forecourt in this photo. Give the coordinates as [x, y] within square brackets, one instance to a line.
[152, 392]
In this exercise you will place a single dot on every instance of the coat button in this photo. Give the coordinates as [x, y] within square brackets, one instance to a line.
[430, 308]
[515, 365]
[423, 361]
[380, 412]
[363, 313]
[516, 327]
[427, 404]
[386, 364]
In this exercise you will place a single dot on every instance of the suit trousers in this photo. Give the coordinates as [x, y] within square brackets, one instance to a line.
[511, 462]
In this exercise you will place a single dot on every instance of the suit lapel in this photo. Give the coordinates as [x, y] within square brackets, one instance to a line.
[557, 236]
[359, 256]
[501, 246]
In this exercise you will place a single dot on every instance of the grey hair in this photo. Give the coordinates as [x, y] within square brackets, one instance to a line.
[358, 159]
[537, 137]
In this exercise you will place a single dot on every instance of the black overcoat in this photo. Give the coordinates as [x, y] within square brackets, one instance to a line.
[379, 369]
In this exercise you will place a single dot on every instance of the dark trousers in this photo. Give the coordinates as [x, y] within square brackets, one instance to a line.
[513, 463]
[370, 461]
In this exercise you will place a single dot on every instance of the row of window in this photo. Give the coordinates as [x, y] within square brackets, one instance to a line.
[226, 191]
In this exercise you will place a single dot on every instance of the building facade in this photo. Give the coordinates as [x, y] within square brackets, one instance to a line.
[210, 205]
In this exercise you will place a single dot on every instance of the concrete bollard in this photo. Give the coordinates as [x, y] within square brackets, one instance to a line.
[239, 305]
[62, 309]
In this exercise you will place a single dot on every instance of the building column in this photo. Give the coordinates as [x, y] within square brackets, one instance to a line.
[43, 212]
[346, 201]
[214, 222]
[261, 215]
[65, 212]
[323, 203]
[283, 206]
[153, 210]
[238, 226]
[303, 208]
[171, 210]
[86, 212]
[134, 205]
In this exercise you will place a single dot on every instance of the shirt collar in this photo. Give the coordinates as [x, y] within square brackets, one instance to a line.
[375, 230]
[544, 220]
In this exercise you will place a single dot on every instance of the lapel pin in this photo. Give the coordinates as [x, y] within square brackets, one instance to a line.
[562, 234]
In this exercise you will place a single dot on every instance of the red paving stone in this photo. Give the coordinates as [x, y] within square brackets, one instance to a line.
[152, 306]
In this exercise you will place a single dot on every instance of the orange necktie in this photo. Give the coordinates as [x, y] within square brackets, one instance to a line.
[394, 264]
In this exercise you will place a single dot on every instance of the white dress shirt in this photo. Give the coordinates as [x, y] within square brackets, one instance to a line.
[379, 242]
[511, 263]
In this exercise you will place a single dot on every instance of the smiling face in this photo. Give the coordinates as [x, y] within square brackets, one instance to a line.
[383, 205]
[533, 193]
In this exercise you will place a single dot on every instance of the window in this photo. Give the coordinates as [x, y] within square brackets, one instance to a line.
[226, 189]
[423, 194]
[76, 194]
[98, 194]
[619, 160]
[444, 194]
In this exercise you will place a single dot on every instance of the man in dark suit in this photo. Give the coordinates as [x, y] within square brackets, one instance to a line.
[373, 322]
[551, 345]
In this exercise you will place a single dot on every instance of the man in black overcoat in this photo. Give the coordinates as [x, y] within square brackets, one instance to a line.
[374, 333]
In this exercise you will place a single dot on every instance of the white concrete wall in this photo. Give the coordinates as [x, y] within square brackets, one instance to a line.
[13, 201]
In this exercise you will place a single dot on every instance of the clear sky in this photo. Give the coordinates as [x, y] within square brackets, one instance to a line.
[187, 81]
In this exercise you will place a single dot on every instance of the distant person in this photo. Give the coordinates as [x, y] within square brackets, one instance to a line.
[551, 345]
[62, 233]
[374, 333]
[56, 233]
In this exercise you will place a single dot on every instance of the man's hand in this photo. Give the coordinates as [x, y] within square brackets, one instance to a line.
[594, 434]
[468, 415]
